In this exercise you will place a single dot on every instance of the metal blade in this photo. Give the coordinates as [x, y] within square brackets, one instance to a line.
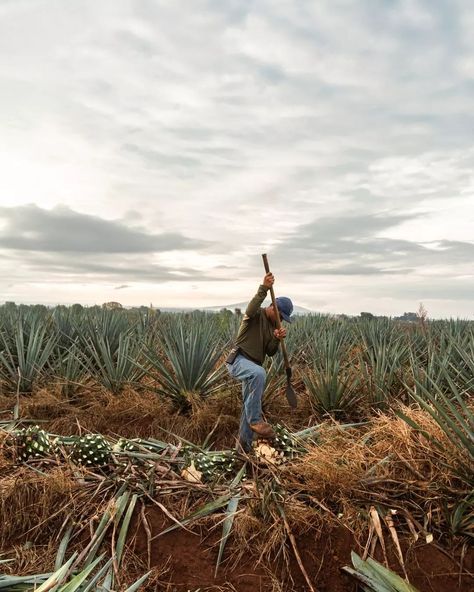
[291, 396]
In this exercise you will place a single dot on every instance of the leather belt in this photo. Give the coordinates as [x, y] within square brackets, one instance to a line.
[242, 353]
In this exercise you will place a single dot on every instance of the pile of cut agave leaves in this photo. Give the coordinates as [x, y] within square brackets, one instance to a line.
[223, 471]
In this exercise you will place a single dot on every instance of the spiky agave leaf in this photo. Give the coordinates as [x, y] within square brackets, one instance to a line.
[230, 513]
[114, 367]
[186, 364]
[139, 451]
[201, 512]
[374, 577]
[25, 352]
[140, 444]
[330, 382]
[84, 580]
[69, 369]
[461, 517]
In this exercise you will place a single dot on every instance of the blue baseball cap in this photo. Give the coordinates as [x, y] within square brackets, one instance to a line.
[285, 308]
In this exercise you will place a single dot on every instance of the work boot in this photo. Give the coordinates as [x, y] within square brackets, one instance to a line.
[263, 429]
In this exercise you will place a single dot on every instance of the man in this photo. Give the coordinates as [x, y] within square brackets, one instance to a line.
[258, 337]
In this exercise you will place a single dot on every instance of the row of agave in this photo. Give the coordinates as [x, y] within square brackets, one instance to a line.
[342, 361]
[33, 443]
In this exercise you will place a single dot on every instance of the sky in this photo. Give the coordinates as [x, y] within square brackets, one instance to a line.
[151, 151]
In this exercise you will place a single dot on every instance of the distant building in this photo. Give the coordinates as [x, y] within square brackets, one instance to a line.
[410, 317]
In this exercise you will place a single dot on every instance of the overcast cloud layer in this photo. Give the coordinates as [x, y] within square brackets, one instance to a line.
[150, 151]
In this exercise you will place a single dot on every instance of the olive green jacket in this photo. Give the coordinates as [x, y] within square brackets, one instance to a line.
[255, 337]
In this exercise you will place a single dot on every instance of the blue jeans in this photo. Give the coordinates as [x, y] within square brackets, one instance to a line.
[252, 376]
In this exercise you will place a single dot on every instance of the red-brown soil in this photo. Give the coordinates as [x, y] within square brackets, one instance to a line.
[191, 559]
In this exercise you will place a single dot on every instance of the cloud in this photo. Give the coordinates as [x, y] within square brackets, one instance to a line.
[354, 269]
[61, 230]
[67, 246]
[88, 267]
[428, 290]
[344, 151]
[354, 245]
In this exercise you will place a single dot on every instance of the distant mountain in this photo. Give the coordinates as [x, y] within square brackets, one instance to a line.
[299, 310]
[243, 306]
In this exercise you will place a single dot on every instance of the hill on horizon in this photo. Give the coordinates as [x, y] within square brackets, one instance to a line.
[243, 306]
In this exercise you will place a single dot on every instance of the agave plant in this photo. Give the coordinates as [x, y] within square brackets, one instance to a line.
[427, 366]
[461, 517]
[454, 415]
[70, 369]
[67, 326]
[114, 367]
[330, 382]
[463, 366]
[106, 325]
[25, 354]
[381, 360]
[186, 366]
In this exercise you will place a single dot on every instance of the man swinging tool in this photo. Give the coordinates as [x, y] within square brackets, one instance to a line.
[259, 335]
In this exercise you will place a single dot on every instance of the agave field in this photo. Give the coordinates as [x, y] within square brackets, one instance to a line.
[118, 467]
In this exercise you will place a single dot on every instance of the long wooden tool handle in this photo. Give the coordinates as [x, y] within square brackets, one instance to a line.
[277, 313]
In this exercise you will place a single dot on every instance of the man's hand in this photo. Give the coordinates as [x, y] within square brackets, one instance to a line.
[280, 333]
[268, 280]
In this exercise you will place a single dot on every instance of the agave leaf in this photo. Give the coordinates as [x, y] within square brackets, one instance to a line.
[187, 361]
[57, 577]
[205, 510]
[389, 577]
[81, 577]
[230, 515]
[365, 581]
[462, 518]
[22, 582]
[114, 367]
[25, 354]
[113, 512]
[329, 383]
[124, 529]
[448, 417]
[97, 576]
[134, 587]
[376, 577]
[227, 526]
[62, 548]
